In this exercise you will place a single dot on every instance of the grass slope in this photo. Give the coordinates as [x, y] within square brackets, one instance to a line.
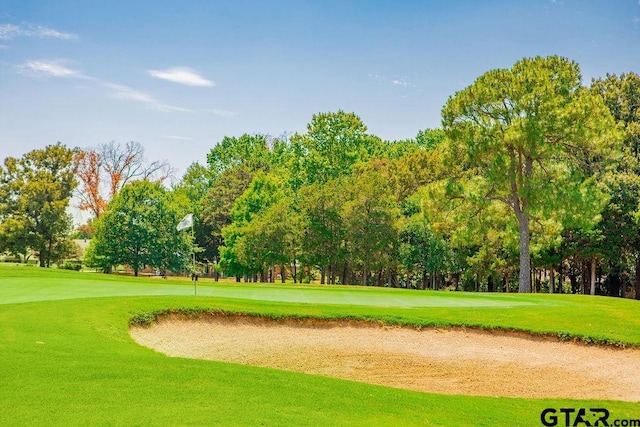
[69, 360]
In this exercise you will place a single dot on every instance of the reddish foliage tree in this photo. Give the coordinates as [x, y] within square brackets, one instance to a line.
[105, 170]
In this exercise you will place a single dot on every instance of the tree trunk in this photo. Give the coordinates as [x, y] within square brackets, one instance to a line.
[552, 281]
[560, 278]
[519, 207]
[345, 273]
[49, 252]
[593, 275]
[283, 277]
[393, 279]
[295, 271]
[364, 276]
[524, 281]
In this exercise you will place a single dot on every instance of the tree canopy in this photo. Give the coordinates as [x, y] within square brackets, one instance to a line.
[524, 135]
[34, 195]
[138, 229]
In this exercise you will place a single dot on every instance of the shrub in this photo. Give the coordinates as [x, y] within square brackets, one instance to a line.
[75, 266]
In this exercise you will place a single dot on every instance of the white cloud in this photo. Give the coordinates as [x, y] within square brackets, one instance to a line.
[49, 69]
[56, 70]
[10, 31]
[223, 113]
[125, 92]
[130, 94]
[182, 75]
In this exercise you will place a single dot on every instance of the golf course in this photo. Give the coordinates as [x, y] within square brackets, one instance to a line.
[69, 357]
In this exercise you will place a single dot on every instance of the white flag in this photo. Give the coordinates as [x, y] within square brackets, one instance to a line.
[186, 222]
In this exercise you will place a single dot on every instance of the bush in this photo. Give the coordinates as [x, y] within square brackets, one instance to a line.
[75, 266]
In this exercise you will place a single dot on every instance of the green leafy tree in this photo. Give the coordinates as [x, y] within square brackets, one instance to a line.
[524, 132]
[334, 142]
[422, 252]
[279, 230]
[138, 229]
[14, 238]
[622, 95]
[322, 227]
[243, 253]
[371, 216]
[218, 203]
[620, 243]
[34, 196]
[232, 165]
[430, 139]
[414, 170]
[252, 151]
[269, 240]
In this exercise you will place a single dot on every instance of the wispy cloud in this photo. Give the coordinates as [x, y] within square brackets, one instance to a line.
[55, 69]
[182, 75]
[130, 94]
[401, 84]
[394, 81]
[49, 69]
[11, 31]
[223, 113]
[180, 138]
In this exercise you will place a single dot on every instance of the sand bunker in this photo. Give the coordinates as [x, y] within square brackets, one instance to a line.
[438, 361]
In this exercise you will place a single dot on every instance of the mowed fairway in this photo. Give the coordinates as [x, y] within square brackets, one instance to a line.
[68, 359]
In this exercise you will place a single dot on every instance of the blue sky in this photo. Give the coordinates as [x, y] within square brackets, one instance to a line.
[179, 76]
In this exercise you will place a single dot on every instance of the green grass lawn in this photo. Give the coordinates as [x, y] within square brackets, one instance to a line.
[67, 358]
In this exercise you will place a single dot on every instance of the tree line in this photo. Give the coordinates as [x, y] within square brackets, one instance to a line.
[531, 184]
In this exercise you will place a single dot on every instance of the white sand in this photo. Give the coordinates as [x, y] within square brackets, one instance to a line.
[439, 361]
